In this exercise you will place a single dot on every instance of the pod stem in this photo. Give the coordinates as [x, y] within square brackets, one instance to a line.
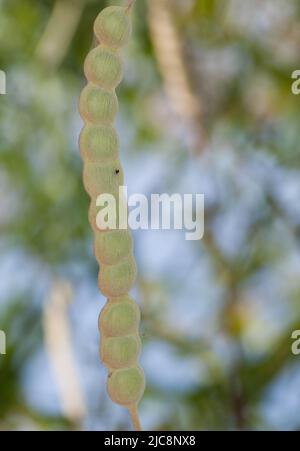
[130, 4]
[135, 418]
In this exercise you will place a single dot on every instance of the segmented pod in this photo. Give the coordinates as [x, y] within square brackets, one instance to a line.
[113, 27]
[118, 279]
[103, 67]
[97, 105]
[113, 247]
[103, 174]
[121, 352]
[120, 317]
[99, 143]
[126, 386]
[102, 178]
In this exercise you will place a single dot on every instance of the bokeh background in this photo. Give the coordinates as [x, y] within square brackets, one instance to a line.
[205, 107]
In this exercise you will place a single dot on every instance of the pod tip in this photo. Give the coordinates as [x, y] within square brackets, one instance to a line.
[135, 418]
[130, 5]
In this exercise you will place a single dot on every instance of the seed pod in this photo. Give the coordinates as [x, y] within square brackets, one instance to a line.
[104, 68]
[92, 214]
[117, 280]
[119, 317]
[103, 174]
[113, 247]
[103, 178]
[113, 27]
[98, 106]
[120, 352]
[99, 143]
[126, 386]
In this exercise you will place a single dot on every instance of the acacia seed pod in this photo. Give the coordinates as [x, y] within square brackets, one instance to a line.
[120, 317]
[119, 320]
[97, 105]
[113, 247]
[117, 280]
[103, 178]
[104, 68]
[113, 27]
[126, 386]
[99, 143]
[92, 214]
[120, 352]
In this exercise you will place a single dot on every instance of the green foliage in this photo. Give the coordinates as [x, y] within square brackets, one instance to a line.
[241, 75]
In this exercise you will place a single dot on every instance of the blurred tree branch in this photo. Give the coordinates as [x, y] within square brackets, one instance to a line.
[58, 345]
[59, 32]
[171, 61]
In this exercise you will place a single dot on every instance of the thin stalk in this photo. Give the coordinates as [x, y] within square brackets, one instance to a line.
[135, 418]
[130, 4]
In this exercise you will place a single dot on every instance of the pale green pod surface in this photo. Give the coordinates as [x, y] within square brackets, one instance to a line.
[119, 318]
[99, 143]
[113, 246]
[97, 105]
[113, 26]
[120, 352]
[93, 211]
[104, 68]
[103, 178]
[126, 386]
[117, 280]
